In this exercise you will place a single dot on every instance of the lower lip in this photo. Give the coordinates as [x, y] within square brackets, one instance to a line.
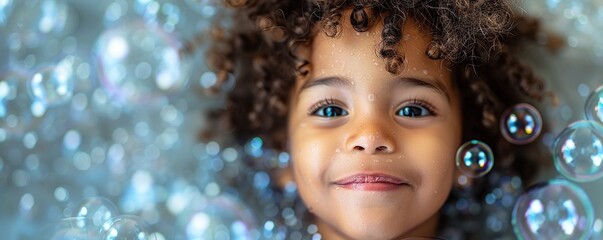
[372, 186]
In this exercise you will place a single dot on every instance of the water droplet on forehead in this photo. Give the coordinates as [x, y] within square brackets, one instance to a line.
[371, 97]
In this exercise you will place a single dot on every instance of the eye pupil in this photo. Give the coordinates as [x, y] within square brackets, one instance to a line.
[331, 111]
[413, 111]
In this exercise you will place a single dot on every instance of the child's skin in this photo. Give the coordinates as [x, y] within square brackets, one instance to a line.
[376, 126]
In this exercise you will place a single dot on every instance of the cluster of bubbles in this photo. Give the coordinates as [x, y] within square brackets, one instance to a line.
[557, 208]
[98, 218]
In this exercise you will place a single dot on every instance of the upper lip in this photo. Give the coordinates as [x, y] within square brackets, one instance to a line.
[371, 178]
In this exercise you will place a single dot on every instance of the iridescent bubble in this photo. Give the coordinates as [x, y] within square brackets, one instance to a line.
[594, 106]
[52, 85]
[140, 63]
[72, 228]
[16, 106]
[96, 210]
[126, 227]
[578, 151]
[521, 124]
[556, 209]
[474, 159]
[223, 215]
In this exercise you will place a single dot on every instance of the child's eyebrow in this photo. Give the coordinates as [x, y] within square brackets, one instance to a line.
[331, 81]
[335, 81]
[432, 84]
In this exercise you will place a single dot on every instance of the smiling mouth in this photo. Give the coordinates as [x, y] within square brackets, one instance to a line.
[371, 182]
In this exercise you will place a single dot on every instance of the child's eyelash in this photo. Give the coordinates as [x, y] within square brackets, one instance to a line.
[322, 103]
[424, 103]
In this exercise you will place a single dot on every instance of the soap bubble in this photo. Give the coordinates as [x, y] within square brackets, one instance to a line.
[221, 217]
[126, 227]
[52, 84]
[521, 124]
[140, 63]
[16, 115]
[474, 159]
[594, 106]
[6, 8]
[73, 228]
[96, 210]
[557, 209]
[578, 151]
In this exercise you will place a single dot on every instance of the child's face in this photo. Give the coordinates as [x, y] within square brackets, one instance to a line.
[373, 153]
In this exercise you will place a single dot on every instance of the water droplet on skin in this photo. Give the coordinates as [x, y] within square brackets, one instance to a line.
[372, 138]
[425, 72]
[340, 50]
[376, 160]
[435, 192]
[371, 97]
[337, 150]
[414, 69]
[351, 53]
[389, 160]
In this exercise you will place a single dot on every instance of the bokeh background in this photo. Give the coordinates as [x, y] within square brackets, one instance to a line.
[101, 104]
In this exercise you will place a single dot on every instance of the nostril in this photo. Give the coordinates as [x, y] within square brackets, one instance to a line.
[381, 148]
[359, 148]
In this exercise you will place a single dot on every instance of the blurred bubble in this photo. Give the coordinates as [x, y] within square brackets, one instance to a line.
[556, 209]
[159, 12]
[6, 8]
[15, 104]
[578, 151]
[96, 210]
[139, 63]
[126, 227]
[521, 124]
[52, 85]
[223, 215]
[35, 20]
[204, 7]
[594, 106]
[474, 159]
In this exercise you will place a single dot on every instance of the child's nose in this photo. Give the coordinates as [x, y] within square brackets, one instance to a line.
[369, 141]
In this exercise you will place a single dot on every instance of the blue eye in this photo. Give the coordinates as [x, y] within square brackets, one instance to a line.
[414, 111]
[330, 111]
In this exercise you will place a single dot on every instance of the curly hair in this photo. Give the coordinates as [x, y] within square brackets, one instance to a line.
[475, 37]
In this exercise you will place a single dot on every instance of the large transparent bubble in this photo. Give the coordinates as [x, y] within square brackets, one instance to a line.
[72, 228]
[222, 217]
[34, 20]
[594, 106]
[140, 63]
[96, 211]
[521, 124]
[126, 228]
[578, 151]
[18, 111]
[474, 159]
[557, 209]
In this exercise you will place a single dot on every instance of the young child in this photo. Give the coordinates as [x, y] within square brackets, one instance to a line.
[372, 99]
